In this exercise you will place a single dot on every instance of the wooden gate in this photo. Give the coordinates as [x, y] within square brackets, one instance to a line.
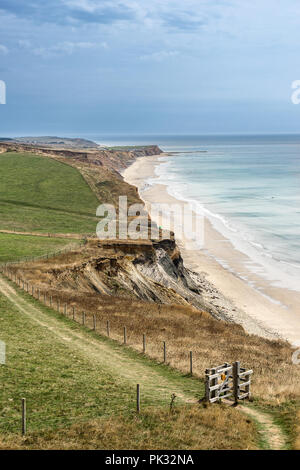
[227, 381]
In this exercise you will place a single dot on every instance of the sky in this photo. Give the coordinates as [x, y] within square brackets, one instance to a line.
[149, 66]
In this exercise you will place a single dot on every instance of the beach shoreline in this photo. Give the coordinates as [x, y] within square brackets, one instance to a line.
[233, 290]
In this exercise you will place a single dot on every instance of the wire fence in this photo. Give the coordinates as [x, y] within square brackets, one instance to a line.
[27, 415]
[90, 320]
[102, 327]
[134, 400]
[29, 259]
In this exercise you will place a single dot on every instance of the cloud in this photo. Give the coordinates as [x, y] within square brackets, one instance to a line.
[85, 5]
[68, 47]
[187, 21]
[3, 49]
[159, 56]
[24, 43]
[175, 15]
[64, 11]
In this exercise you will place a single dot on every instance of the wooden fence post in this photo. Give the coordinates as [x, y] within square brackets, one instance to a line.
[144, 343]
[23, 416]
[125, 335]
[191, 362]
[65, 309]
[94, 322]
[73, 313]
[236, 381]
[45, 297]
[50, 300]
[138, 404]
[213, 383]
[207, 397]
[247, 387]
[165, 352]
[32, 289]
[108, 328]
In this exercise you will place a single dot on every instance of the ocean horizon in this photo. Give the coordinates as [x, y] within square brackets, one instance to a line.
[248, 186]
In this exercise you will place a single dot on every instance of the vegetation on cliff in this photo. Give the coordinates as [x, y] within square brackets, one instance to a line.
[142, 285]
[40, 194]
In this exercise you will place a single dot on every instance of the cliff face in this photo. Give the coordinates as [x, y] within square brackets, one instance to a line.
[144, 270]
[57, 142]
[113, 159]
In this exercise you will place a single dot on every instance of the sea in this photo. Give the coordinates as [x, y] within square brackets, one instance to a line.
[248, 186]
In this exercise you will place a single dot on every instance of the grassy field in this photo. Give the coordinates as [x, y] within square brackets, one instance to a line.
[276, 379]
[187, 427]
[80, 387]
[80, 394]
[275, 382]
[43, 195]
[17, 247]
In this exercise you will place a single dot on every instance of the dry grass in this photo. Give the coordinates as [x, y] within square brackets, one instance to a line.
[193, 427]
[183, 328]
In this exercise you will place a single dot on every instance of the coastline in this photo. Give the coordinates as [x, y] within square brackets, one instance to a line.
[244, 298]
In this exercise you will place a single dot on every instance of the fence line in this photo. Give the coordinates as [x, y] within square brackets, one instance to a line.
[30, 259]
[235, 381]
[44, 415]
[66, 312]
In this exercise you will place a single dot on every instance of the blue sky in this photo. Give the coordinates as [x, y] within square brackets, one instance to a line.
[149, 66]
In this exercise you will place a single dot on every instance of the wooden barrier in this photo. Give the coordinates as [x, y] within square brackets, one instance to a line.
[227, 381]
[138, 397]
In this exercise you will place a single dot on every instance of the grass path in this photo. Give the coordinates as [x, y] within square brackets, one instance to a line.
[157, 381]
[270, 433]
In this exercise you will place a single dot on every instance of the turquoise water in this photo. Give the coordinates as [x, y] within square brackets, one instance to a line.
[249, 188]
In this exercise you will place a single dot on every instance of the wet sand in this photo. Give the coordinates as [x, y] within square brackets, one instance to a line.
[235, 291]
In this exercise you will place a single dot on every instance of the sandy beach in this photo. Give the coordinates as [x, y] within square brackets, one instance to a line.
[236, 293]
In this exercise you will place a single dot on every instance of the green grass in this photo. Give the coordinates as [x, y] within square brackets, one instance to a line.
[18, 247]
[186, 427]
[61, 385]
[285, 416]
[75, 401]
[40, 194]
